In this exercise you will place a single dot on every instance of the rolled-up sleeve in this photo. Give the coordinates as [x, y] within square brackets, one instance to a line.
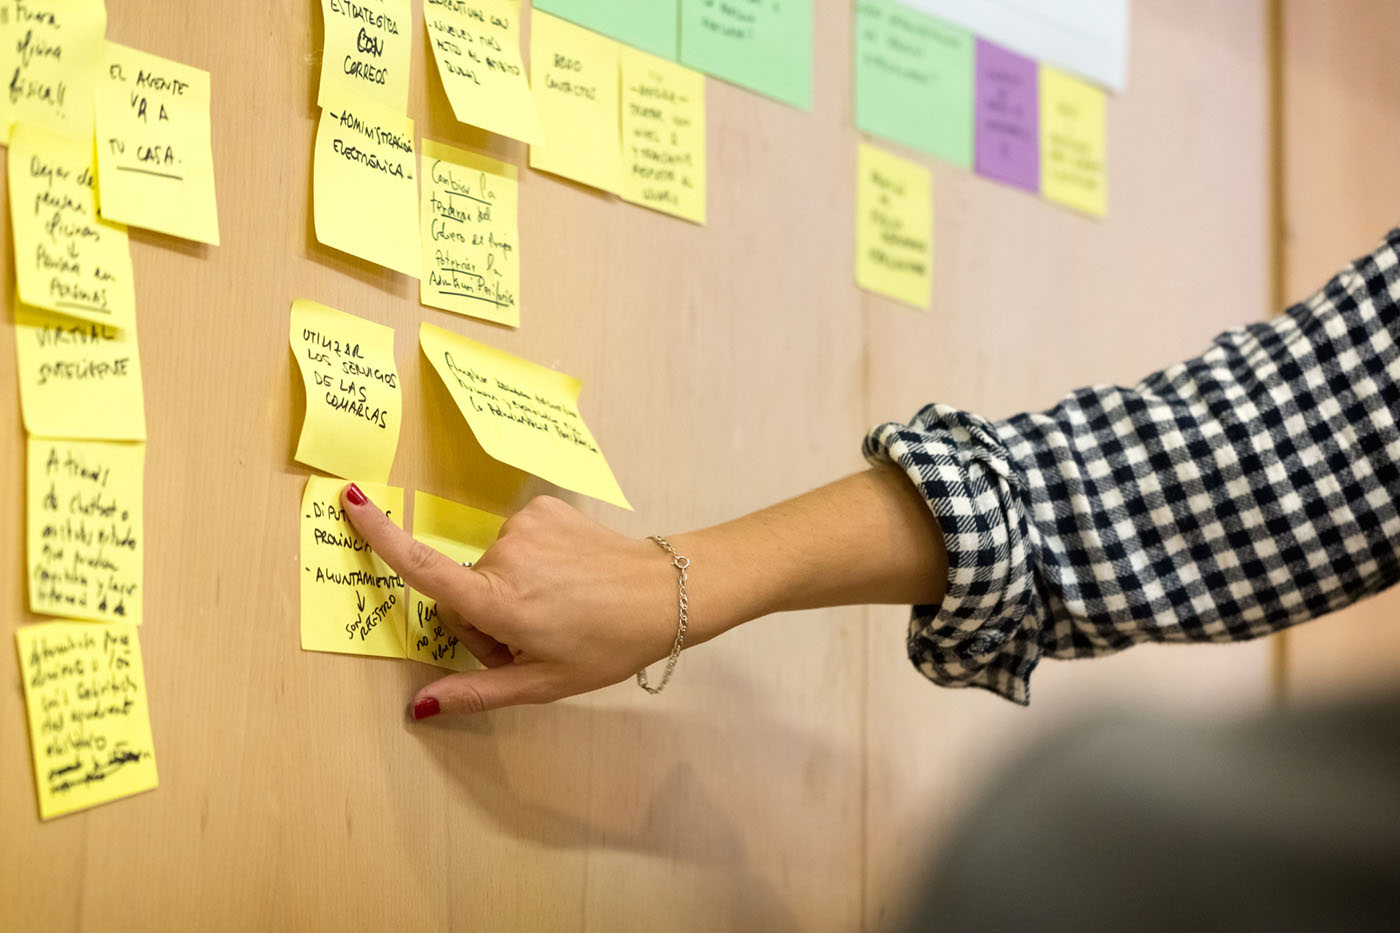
[1224, 498]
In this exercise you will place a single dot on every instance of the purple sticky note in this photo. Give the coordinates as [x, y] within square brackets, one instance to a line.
[1008, 117]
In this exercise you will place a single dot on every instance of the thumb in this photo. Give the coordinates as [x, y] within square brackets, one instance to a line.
[492, 688]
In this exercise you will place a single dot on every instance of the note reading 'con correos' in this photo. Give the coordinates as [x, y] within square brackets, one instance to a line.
[463, 534]
[522, 413]
[1073, 147]
[368, 50]
[663, 135]
[364, 181]
[85, 537]
[894, 227]
[78, 379]
[89, 726]
[47, 53]
[354, 402]
[155, 162]
[575, 77]
[470, 228]
[477, 47]
[351, 601]
[67, 258]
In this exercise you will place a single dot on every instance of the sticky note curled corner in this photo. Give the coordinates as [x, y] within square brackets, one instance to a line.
[521, 413]
[354, 402]
[477, 48]
[155, 161]
[894, 227]
[351, 601]
[463, 534]
[78, 379]
[89, 723]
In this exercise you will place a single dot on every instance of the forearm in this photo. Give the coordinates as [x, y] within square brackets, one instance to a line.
[868, 538]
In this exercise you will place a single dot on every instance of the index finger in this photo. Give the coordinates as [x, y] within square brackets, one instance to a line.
[425, 569]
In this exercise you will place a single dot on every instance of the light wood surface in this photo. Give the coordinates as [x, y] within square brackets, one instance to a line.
[797, 770]
[1340, 194]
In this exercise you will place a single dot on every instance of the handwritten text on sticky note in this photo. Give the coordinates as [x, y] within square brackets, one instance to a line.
[155, 164]
[1073, 142]
[47, 51]
[894, 227]
[463, 534]
[67, 259]
[368, 50]
[477, 47]
[78, 379]
[574, 73]
[85, 535]
[663, 135]
[351, 602]
[470, 232]
[364, 182]
[89, 725]
[522, 413]
[354, 402]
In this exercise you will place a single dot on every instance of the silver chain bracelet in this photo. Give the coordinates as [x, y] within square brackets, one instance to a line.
[682, 565]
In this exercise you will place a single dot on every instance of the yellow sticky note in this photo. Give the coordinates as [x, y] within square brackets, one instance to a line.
[894, 227]
[47, 52]
[477, 47]
[574, 73]
[155, 161]
[522, 413]
[1073, 143]
[368, 50]
[85, 529]
[78, 379]
[89, 726]
[471, 229]
[463, 534]
[663, 135]
[67, 259]
[351, 601]
[364, 187]
[354, 403]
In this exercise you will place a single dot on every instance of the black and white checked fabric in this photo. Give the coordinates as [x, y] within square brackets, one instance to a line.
[1224, 498]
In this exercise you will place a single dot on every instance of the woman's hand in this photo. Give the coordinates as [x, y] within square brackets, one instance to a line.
[559, 605]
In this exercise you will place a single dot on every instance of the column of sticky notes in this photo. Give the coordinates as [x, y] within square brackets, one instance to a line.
[84, 117]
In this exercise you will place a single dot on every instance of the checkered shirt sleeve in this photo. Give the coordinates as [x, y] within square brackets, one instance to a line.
[1245, 490]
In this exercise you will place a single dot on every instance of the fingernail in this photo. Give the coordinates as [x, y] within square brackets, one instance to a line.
[352, 492]
[428, 706]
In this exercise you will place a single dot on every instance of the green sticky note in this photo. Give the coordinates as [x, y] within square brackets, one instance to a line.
[763, 45]
[914, 80]
[649, 25]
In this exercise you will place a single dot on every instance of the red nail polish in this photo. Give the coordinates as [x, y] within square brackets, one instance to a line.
[428, 706]
[352, 493]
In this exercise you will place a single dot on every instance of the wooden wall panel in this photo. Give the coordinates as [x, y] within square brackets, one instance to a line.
[1031, 302]
[1340, 194]
[784, 781]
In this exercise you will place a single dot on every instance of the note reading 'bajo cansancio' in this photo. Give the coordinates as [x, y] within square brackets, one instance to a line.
[574, 73]
[470, 217]
[463, 534]
[67, 258]
[354, 402]
[1073, 147]
[522, 413]
[155, 162]
[85, 529]
[368, 50]
[663, 135]
[89, 727]
[351, 601]
[364, 184]
[78, 379]
[894, 227]
[47, 53]
[477, 47]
